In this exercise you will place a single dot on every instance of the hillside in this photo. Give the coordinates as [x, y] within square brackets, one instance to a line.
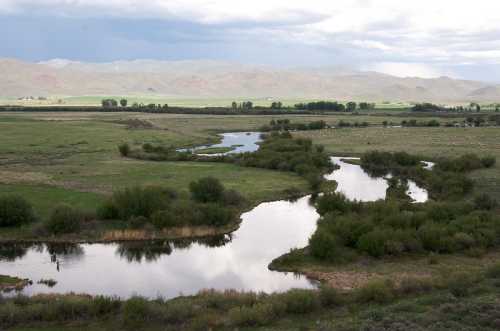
[210, 79]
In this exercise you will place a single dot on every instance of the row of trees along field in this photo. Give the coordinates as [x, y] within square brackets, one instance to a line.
[247, 105]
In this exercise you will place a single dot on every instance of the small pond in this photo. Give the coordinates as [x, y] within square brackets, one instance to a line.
[170, 269]
[240, 142]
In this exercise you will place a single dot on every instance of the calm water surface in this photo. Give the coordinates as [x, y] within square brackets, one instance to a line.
[169, 269]
[242, 142]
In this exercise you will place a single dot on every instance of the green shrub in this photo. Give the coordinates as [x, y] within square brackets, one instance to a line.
[324, 245]
[330, 296]
[333, 202]
[137, 222]
[207, 189]
[164, 219]
[493, 271]
[460, 284]
[124, 149]
[374, 242]
[484, 202]
[232, 198]
[65, 219]
[375, 291]
[138, 201]
[488, 161]
[135, 311]
[215, 215]
[412, 285]
[299, 301]
[108, 210]
[15, 211]
[259, 314]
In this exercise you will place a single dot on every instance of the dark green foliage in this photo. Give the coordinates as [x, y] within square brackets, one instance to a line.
[137, 201]
[375, 291]
[379, 163]
[137, 222]
[459, 284]
[232, 198]
[488, 161]
[207, 189]
[135, 311]
[15, 211]
[428, 107]
[65, 219]
[330, 296]
[124, 149]
[396, 227]
[322, 106]
[325, 246]
[279, 151]
[415, 123]
[333, 202]
[493, 271]
[373, 243]
[484, 202]
[286, 124]
[215, 215]
[464, 163]
[298, 301]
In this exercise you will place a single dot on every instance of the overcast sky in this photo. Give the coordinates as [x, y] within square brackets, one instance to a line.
[426, 38]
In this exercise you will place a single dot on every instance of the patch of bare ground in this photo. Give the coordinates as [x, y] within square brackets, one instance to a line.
[353, 275]
[349, 280]
[138, 124]
[14, 177]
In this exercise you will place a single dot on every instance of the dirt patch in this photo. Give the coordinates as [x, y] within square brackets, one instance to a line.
[14, 177]
[349, 280]
[137, 124]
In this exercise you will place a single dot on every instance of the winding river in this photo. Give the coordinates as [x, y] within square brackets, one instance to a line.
[169, 269]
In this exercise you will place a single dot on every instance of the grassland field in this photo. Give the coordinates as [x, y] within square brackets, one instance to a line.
[73, 157]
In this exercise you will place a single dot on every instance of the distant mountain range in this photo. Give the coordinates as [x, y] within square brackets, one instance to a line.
[211, 79]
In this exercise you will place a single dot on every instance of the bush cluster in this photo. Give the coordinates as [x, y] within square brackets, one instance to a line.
[15, 211]
[287, 125]
[465, 163]
[279, 151]
[65, 219]
[210, 204]
[415, 123]
[447, 180]
[396, 227]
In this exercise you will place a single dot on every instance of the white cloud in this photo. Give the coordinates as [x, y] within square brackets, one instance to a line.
[435, 32]
[401, 69]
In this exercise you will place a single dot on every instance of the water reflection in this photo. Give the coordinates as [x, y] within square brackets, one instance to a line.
[241, 141]
[12, 251]
[164, 268]
[171, 268]
[357, 184]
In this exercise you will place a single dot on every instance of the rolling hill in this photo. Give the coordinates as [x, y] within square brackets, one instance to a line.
[212, 79]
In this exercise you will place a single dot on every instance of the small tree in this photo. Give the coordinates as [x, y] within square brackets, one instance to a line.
[123, 102]
[15, 211]
[207, 189]
[351, 106]
[124, 149]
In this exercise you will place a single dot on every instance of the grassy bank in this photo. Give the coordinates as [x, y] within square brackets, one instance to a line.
[465, 300]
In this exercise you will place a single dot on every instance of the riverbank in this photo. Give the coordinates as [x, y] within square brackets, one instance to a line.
[116, 231]
[463, 300]
[9, 283]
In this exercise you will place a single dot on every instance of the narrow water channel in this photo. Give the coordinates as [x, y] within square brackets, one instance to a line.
[170, 269]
